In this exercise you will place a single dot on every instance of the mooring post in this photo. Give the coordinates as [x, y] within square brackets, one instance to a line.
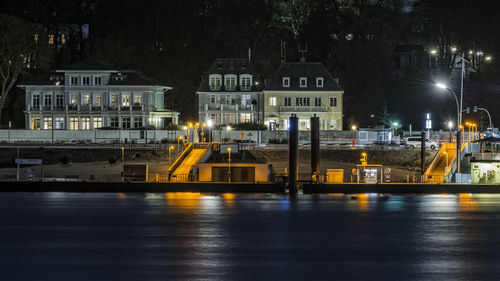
[315, 162]
[293, 142]
[422, 153]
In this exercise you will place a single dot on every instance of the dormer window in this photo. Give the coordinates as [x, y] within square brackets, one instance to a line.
[303, 82]
[230, 82]
[286, 82]
[245, 82]
[319, 82]
[220, 64]
[231, 64]
[214, 82]
[243, 64]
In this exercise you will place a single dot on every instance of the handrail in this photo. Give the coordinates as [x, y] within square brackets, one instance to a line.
[179, 159]
[444, 146]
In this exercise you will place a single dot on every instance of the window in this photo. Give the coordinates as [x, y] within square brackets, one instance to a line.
[114, 122]
[231, 64]
[35, 123]
[97, 100]
[215, 82]
[286, 81]
[317, 101]
[230, 82]
[73, 80]
[125, 123]
[288, 101]
[229, 118]
[97, 122]
[73, 123]
[246, 118]
[86, 99]
[243, 64]
[303, 82]
[36, 101]
[319, 82]
[302, 101]
[213, 117]
[228, 99]
[246, 101]
[125, 100]
[85, 123]
[47, 100]
[59, 101]
[272, 101]
[97, 80]
[245, 82]
[212, 99]
[333, 101]
[59, 123]
[74, 99]
[137, 99]
[114, 101]
[47, 123]
[86, 80]
[137, 122]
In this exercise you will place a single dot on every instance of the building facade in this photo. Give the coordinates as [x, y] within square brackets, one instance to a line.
[306, 89]
[230, 93]
[90, 95]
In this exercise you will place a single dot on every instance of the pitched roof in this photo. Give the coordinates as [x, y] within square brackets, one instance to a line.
[132, 77]
[225, 66]
[297, 70]
[88, 63]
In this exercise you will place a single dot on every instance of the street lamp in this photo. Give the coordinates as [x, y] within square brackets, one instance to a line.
[446, 153]
[450, 125]
[188, 127]
[229, 162]
[203, 132]
[170, 154]
[209, 124]
[354, 127]
[459, 114]
[178, 146]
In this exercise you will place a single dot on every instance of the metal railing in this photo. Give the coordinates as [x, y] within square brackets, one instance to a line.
[179, 159]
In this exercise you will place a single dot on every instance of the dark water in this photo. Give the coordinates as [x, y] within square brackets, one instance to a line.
[177, 236]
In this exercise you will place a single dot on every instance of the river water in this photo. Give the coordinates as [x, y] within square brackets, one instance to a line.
[191, 236]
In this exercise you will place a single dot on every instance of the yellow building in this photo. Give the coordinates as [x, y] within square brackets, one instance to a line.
[305, 89]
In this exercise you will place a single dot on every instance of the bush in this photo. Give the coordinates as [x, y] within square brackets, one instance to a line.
[112, 159]
[164, 141]
[172, 127]
[65, 159]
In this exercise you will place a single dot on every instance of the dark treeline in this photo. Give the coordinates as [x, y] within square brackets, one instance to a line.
[175, 41]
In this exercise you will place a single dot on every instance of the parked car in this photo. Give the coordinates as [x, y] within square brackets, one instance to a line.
[416, 142]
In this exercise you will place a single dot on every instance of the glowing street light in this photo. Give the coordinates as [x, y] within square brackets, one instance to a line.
[170, 154]
[209, 124]
[433, 52]
[354, 127]
[453, 49]
[229, 163]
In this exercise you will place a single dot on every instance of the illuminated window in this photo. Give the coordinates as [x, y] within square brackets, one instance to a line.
[59, 123]
[85, 123]
[73, 123]
[36, 38]
[246, 117]
[97, 122]
[97, 100]
[246, 101]
[125, 100]
[86, 99]
[114, 101]
[137, 99]
[51, 39]
[74, 99]
[63, 39]
[35, 123]
[47, 123]
[272, 101]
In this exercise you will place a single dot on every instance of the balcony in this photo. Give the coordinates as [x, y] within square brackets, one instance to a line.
[303, 109]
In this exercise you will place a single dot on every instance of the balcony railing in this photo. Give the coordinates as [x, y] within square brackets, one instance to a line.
[303, 108]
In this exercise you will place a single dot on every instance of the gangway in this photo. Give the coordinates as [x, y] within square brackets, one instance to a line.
[180, 171]
[443, 164]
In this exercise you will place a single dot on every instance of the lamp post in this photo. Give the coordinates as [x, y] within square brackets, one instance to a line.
[450, 125]
[446, 153]
[229, 163]
[170, 154]
[203, 132]
[187, 130]
[196, 136]
[178, 145]
[52, 110]
[123, 163]
[209, 124]
[459, 113]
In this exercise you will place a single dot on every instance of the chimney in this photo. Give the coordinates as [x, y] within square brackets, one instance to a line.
[249, 54]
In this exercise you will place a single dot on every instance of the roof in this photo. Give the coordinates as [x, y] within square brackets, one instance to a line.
[86, 65]
[296, 70]
[225, 66]
[409, 49]
[131, 78]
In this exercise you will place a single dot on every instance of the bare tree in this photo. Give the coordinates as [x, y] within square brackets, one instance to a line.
[22, 49]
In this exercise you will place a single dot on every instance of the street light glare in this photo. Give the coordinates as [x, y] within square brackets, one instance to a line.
[441, 85]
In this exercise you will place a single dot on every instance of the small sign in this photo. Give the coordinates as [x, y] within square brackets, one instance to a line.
[28, 161]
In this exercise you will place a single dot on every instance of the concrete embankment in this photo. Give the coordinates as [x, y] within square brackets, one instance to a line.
[140, 187]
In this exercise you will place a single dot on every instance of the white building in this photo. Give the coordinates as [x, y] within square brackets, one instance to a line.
[89, 95]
